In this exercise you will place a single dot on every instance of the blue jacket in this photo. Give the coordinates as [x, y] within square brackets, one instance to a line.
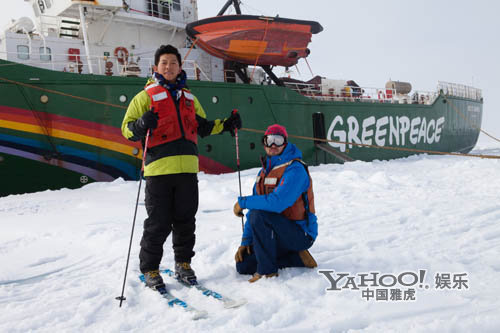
[295, 181]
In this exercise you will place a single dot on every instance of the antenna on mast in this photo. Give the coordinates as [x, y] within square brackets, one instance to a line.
[236, 5]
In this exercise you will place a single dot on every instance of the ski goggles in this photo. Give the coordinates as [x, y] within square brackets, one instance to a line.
[273, 139]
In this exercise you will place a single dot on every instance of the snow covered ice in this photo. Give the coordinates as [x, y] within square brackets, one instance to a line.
[63, 254]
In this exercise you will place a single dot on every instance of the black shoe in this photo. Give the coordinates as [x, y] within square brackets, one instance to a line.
[184, 273]
[153, 279]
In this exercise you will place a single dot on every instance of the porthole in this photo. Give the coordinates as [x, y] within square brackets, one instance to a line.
[44, 99]
[23, 52]
[45, 54]
[123, 98]
[215, 99]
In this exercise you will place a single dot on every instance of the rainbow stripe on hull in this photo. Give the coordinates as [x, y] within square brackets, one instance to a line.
[87, 151]
[91, 151]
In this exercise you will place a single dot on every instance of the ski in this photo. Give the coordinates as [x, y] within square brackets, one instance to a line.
[174, 301]
[227, 301]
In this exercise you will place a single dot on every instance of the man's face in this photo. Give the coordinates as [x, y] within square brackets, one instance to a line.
[274, 149]
[169, 67]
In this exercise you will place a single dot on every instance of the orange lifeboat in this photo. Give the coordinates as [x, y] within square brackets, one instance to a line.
[254, 40]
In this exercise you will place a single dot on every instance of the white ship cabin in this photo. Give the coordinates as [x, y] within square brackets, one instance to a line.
[119, 38]
[105, 37]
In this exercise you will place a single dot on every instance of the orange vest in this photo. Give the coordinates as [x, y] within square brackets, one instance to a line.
[171, 124]
[267, 184]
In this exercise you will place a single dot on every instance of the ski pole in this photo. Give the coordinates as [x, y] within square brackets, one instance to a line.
[122, 298]
[238, 163]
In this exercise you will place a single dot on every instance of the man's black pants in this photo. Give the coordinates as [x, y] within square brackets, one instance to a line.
[171, 204]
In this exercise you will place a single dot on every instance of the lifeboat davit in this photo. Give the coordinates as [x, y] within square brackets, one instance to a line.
[254, 40]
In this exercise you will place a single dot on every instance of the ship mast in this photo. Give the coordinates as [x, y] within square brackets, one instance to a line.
[85, 37]
[236, 5]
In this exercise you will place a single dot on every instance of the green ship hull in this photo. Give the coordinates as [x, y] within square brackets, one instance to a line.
[63, 130]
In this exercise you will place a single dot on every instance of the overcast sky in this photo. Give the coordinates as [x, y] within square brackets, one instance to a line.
[420, 42]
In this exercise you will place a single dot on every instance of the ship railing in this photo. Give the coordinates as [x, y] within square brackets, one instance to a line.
[101, 65]
[259, 76]
[171, 10]
[58, 26]
[194, 71]
[162, 8]
[460, 90]
[360, 94]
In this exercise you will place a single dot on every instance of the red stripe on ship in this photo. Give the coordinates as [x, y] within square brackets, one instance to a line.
[91, 129]
[54, 121]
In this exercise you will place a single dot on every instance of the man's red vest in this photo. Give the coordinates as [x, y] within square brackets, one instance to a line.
[169, 127]
[267, 184]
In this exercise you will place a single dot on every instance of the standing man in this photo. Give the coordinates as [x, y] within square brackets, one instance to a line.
[174, 118]
[281, 223]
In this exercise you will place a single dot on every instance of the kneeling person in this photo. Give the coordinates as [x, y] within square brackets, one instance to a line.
[281, 223]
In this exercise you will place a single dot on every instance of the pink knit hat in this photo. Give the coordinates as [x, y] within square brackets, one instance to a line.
[277, 129]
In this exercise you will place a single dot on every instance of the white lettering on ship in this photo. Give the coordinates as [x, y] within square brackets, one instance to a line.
[394, 131]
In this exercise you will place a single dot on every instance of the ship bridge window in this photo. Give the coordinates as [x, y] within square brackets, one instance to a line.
[45, 54]
[23, 52]
[176, 5]
[41, 5]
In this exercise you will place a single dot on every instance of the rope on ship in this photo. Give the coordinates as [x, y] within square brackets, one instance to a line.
[262, 131]
[261, 52]
[39, 120]
[467, 120]
[378, 147]
[63, 94]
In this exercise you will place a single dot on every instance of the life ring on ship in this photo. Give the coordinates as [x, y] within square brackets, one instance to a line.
[121, 54]
[381, 95]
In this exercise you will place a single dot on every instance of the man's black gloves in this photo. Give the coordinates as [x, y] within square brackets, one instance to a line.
[234, 121]
[149, 120]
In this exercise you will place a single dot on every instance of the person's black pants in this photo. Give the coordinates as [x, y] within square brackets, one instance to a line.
[171, 204]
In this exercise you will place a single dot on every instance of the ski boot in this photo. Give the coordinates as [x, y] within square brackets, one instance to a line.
[154, 280]
[185, 274]
[257, 276]
[307, 259]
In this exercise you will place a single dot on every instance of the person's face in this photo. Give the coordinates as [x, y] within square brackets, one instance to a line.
[274, 149]
[169, 67]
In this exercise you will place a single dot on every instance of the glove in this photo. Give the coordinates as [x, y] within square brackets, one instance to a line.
[241, 252]
[149, 120]
[234, 121]
[238, 211]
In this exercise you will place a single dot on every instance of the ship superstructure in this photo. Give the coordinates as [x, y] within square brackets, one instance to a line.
[105, 37]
